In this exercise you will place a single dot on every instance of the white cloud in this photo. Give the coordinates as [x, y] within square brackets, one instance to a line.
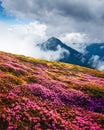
[21, 39]
[54, 55]
[84, 16]
[74, 38]
[101, 66]
[97, 62]
[33, 32]
[77, 41]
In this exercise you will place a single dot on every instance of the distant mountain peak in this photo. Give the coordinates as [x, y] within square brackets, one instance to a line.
[69, 55]
[54, 39]
[51, 44]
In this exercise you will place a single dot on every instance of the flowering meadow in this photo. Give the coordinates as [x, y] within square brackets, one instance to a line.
[43, 95]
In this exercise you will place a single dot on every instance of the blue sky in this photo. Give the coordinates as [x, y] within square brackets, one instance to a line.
[8, 18]
[4, 17]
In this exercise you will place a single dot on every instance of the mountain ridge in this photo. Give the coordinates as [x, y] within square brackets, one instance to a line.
[70, 56]
[98, 49]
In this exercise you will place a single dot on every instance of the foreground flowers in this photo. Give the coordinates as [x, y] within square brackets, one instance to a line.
[42, 95]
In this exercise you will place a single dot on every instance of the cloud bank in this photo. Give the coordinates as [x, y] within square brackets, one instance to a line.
[62, 16]
[23, 39]
[75, 40]
[97, 62]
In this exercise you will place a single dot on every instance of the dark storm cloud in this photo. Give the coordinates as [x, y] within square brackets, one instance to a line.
[77, 9]
[62, 16]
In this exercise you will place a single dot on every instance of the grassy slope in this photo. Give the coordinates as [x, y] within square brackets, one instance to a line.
[37, 94]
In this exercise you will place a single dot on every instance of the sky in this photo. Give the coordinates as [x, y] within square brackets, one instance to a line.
[60, 16]
[24, 23]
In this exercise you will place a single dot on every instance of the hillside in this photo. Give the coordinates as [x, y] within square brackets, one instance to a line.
[41, 95]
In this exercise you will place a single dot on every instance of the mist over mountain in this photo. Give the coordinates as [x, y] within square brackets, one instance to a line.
[23, 39]
[67, 55]
[29, 41]
[89, 55]
[95, 49]
[95, 52]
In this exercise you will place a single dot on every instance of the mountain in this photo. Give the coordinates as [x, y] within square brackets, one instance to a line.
[95, 49]
[95, 52]
[42, 95]
[69, 55]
